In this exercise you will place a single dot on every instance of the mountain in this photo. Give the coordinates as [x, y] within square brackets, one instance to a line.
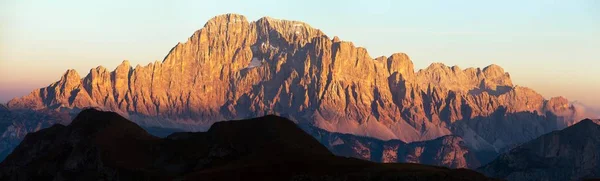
[15, 124]
[447, 151]
[569, 154]
[235, 69]
[104, 145]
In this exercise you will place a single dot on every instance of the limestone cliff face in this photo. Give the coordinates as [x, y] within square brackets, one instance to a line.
[232, 69]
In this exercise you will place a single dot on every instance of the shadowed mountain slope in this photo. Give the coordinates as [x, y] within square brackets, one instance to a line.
[569, 154]
[15, 124]
[104, 145]
[447, 151]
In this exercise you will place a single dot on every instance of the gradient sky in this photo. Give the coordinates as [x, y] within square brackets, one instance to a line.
[550, 46]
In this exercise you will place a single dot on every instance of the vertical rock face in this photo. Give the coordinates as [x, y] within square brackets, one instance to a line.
[233, 69]
[569, 154]
[447, 151]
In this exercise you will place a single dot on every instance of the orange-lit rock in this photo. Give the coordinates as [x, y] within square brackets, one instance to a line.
[301, 73]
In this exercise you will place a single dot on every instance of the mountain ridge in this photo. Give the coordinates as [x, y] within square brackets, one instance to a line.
[448, 151]
[568, 154]
[304, 75]
[104, 145]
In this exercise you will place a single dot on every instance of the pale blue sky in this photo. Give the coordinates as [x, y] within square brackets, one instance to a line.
[550, 46]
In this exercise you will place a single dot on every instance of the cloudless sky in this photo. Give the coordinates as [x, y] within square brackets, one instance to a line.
[550, 46]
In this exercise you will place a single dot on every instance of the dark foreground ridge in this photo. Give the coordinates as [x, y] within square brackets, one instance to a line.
[568, 154]
[103, 145]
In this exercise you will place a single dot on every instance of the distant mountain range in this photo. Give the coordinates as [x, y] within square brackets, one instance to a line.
[15, 124]
[101, 145]
[569, 154]
[447, 151]
[377, 109]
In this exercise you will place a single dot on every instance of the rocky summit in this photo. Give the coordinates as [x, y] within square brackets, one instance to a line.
[232, 69]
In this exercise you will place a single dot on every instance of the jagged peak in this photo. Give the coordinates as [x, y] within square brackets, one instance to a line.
[274, 21]
[349, 43]
[70, 74]
[99, 68]
[473, 70]
[266, 18]
[558, 103]
[436, 65]
[400, 62]
[138, 67]
[399, 55]
[456, 68]
[125, 63]
[226, 18]
[290, 29]
[493, 68]
[336, 39]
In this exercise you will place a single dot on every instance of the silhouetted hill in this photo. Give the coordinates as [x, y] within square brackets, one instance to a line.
[570, 154]
[101, 145]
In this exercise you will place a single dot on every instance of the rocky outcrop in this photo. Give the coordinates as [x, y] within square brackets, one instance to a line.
[99, 145]
[447, 151]
[232, 69]
[569, 154]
